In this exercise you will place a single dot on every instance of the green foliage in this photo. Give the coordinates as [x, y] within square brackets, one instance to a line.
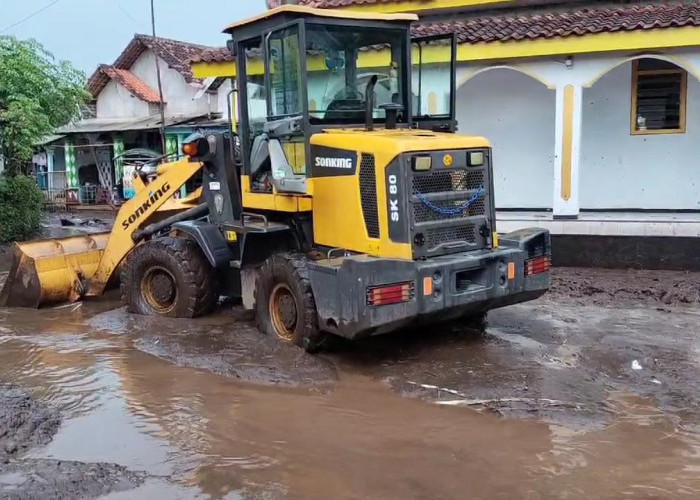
[20, 208]
[37, 95]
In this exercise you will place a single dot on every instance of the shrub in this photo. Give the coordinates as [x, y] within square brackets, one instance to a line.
[20, 208]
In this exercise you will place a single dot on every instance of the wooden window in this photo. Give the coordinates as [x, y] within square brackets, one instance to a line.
[658, 97]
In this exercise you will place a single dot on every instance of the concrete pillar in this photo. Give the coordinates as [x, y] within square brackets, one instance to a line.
[71, 166]
[567, 151]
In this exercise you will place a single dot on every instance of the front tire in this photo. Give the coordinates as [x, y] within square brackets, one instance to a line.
[284, 302]
[169, 277]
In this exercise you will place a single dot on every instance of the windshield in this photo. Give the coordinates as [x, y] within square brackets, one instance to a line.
[342, 61]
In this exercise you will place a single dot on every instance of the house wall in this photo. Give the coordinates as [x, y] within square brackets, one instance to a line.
[116, 101]
[178, 94]
[620, 170]
[602, 166]
[516, 113]
[221, 104]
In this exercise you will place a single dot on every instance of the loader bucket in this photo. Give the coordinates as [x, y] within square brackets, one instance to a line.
[52, 271]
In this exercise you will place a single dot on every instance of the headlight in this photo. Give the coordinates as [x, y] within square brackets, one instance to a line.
[422, 163]
[475, 158]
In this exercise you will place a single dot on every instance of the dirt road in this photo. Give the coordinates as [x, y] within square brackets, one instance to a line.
[590, 392]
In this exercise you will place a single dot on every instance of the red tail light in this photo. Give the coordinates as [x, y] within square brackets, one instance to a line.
[390, 294]
[538, 265]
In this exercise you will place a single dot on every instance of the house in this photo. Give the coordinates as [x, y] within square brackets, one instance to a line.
[593, 108]
[125, 114]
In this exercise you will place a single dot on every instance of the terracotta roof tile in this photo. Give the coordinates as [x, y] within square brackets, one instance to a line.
[519, 26]
[132, 83]
[175, 53]
[217, 55]
[569, 23]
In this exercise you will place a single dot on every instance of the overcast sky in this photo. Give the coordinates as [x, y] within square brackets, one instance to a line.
[90, 32]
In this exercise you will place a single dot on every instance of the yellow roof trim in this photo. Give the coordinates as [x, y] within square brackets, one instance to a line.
[504, 51]
[337, 14]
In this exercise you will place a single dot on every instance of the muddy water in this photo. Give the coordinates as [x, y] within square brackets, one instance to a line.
[212, 409]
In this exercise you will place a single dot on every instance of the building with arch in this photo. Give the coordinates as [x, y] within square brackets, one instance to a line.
[593, 108]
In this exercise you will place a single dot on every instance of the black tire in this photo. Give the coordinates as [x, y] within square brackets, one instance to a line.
[169, 277]
[284, 302]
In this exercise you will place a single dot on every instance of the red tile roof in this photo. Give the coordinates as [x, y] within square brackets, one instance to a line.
[132, 83]
[175, 53]
[553, 24]
[220, 54]
[502, 28]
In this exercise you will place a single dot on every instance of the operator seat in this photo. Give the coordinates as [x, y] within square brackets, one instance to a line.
[267, 150]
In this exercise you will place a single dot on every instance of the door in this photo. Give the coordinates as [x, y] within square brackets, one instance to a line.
[434, 81]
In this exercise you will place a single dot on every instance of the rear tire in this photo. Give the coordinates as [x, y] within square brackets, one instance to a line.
[169, 277]
[284, 302]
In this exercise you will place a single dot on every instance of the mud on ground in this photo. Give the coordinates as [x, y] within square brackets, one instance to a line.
[26, 423]
[611, 287]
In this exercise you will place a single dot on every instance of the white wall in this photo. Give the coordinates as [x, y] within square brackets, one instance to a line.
[516, 113]
[178, 94]
[619, 170]
[116, 101]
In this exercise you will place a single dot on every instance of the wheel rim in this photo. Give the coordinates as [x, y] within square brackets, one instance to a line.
[159, 288]
[283, 311]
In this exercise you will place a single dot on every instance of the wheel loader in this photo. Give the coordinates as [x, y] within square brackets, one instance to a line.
[349, 206]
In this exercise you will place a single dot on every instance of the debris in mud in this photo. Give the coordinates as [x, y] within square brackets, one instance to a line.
[60, 479]
[81, 222]
[609, 287]
[24, 423]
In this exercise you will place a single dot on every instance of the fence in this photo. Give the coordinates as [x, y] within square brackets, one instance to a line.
[55, 186]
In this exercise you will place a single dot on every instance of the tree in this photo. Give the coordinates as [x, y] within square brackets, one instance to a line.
[37, 95]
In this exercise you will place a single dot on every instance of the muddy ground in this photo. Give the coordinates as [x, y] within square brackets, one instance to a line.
[589, 392]
[26, 423]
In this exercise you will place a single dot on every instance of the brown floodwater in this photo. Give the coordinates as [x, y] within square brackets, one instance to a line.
[259, 419]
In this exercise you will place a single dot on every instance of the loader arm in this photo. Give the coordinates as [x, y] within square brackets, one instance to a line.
[67, 269]
[137, 212]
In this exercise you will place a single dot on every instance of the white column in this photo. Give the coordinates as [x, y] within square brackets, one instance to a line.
[567, 150]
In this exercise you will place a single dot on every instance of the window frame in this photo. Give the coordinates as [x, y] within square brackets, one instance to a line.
[636, 72]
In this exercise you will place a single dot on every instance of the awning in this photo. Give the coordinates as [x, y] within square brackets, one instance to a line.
[98, 125]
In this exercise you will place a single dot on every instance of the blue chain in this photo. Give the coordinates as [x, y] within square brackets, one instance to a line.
[452, 211]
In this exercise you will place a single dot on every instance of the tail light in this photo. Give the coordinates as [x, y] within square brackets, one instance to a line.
[538, 265]
[390, 294]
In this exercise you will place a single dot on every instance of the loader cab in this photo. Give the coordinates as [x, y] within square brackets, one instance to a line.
[303, 71]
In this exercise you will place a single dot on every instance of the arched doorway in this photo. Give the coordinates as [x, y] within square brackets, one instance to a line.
[516, 113]
[640, 136]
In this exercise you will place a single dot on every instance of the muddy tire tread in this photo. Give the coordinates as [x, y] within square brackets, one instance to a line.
[201, 290]
[309, 336]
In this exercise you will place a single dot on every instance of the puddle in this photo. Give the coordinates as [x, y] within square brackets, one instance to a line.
[213, 409]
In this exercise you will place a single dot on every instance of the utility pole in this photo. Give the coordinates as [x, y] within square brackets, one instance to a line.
[160, 85]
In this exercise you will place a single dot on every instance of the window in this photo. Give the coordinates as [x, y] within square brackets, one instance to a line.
[284, 69]
[658, 97]
[432, 79]
[342, 62]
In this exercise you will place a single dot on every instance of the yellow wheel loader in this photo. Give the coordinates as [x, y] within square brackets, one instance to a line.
[344, 203]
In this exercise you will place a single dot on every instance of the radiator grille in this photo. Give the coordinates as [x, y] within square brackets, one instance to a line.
[368, 195]
[446, 181]
[438, 236]
[421, 213]
[440, 226]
